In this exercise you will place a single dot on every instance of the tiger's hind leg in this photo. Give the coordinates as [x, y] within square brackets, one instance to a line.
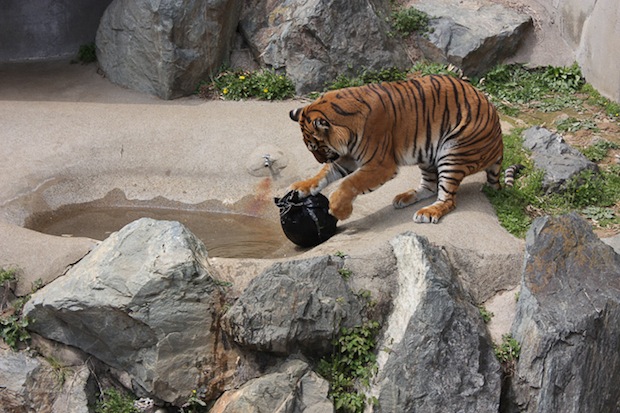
[427, 188]
[493, 173]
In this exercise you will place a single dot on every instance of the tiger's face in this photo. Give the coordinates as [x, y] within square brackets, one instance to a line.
[316, 133]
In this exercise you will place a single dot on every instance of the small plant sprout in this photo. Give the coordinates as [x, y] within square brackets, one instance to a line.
[485, 314]
[345, 273]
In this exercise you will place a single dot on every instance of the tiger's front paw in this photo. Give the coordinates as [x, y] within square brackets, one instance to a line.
[304, 188]
[340, 206]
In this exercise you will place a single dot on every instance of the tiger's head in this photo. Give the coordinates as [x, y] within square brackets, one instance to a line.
[326, 141]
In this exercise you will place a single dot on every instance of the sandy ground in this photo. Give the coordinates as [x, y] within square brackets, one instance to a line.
[71, 136]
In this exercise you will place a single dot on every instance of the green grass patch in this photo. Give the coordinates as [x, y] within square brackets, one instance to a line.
[598, 150]
[514, 86]
[571, 124]
[611, 108]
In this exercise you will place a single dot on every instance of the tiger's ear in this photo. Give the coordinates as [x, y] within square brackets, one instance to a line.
[321, 124]
[294, 114]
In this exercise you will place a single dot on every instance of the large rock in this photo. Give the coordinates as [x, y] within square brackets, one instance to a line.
[315, 40]
[143, 302]
[567, 321]
[559, 161]
[294, 306]
[474, 38]
[438, 357]
[165, 47]
[291, 388]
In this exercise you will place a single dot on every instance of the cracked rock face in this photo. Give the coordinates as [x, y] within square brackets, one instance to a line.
[437, 354]
[567, 321]
[143, 302]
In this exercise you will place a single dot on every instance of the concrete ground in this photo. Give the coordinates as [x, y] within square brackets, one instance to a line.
[71, 136]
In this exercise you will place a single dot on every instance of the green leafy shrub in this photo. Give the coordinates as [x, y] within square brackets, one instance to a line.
[238, 85]
[351, 364]
[508, 350]
[13, 330]
[409, 20]
[12, 323]
[87, 53]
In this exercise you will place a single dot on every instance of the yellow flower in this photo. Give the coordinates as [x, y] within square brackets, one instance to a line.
[265, 90]
[225, 91]
[241, 77]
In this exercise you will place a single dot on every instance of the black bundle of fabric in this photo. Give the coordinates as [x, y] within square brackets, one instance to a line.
[306, 221]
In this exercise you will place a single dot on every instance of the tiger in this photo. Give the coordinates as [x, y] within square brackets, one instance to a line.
[364, 134]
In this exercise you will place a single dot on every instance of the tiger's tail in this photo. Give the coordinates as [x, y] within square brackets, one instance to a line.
[511, 173]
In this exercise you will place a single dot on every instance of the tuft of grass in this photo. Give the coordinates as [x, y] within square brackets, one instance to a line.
[113, 401]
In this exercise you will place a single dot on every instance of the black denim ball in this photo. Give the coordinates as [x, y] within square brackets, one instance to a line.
[306, 221]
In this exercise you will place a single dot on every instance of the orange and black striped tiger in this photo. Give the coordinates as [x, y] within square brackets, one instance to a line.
[364, 134]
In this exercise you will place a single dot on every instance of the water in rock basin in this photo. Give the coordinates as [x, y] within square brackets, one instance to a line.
[224, 234]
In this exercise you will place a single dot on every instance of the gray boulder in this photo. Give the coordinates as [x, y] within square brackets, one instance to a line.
[473, 38]
[294, 306]
[567, 321]
[559, 161]
[438, 356]
[310, 41]
[291, 388]
[166, 47]
[143, 302]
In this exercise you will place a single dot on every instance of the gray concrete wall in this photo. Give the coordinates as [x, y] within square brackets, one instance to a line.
[44, 29]
[598, 53]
